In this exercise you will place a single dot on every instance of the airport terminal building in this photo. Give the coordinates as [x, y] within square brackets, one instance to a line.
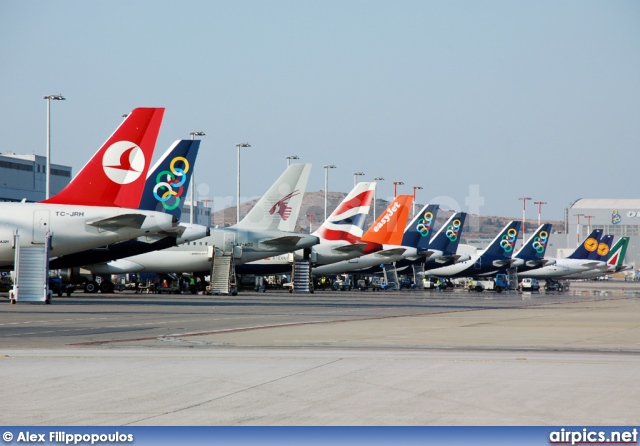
[617, 217]
[23, 177]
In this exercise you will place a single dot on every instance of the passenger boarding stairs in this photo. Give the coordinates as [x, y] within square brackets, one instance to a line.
[223, 275]
[512, 275]
[391, 276]
[31, 272]
[301, 276]
[418, 272]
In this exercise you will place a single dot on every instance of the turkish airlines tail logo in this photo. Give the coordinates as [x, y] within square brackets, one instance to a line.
[123, 162]
[281, 206]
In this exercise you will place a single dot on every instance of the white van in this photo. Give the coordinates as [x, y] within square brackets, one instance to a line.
[529, 285]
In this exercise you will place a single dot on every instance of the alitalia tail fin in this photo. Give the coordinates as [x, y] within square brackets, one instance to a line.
[618, 253]
[116, 174]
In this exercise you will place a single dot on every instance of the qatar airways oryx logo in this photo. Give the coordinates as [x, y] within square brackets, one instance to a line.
[387, 217]
[281, 206]
[123, 162]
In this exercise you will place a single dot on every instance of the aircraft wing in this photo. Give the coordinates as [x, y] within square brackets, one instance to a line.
[120, 221]
[285, 240]
[391, 252]
[355, 247]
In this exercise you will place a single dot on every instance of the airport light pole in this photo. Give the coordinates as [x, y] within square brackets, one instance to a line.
[326, 186]
[291, 157]
[589, 217]
[374, 196]
[539, 203]
[578, 228]
[414, 198]
[193, 182]
[395, 186]
[49, 98]
[243, 144]
[355, 177]
[524, 222]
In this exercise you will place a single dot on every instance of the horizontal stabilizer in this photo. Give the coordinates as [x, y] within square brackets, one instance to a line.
[345, 249]
[120, 221]
[285, 240]
[391, 252]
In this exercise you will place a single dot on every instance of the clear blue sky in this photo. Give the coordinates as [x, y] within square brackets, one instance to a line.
[512, 98]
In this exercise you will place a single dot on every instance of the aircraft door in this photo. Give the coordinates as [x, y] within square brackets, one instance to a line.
[40, 226]
[229, 240]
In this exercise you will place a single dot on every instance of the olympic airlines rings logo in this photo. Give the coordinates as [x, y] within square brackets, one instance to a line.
[540, 242]
[174, 179]
[453, 230]
[509, 240]
[424, 224]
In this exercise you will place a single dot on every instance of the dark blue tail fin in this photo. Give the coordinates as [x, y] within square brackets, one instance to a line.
[168, 180]
[503, 245]
[448, 237]
[602, 253]
[536, 246]
[419, 230]
[589, 246]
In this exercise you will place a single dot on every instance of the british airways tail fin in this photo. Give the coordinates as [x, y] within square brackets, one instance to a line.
[278, 209]
[168, 180]
[503, 245]
[536, 246]
[389, 227]
[116, 174]
[346, 222]
[589, 246]
[448, 237]
[617, 254]
[604, 247]
[419, 231]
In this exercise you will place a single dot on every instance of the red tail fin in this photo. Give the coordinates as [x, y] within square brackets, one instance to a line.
[116, 174]
[389, 227]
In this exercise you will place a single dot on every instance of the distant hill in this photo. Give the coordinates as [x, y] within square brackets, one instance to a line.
[313, 204]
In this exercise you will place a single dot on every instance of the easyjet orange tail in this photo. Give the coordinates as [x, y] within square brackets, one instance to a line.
[389, 227]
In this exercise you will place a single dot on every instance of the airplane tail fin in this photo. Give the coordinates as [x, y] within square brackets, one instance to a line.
[389, 227]
[280, 206]
[604, 247]
[618, 253]
[503, 245]
[448, 237]
[536, 246]
[346, 222]
[168, 180]
[116, 174]
[419, 231]
[589, 246]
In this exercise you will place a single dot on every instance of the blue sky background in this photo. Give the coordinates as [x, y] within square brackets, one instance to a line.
[538, 99]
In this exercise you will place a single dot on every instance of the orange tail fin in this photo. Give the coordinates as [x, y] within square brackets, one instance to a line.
[389, 227]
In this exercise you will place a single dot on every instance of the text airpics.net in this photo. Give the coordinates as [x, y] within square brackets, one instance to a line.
[587, 436]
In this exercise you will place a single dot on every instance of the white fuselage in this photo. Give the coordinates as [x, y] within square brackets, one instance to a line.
[562, 268]
[244, 245]
[73, 228]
